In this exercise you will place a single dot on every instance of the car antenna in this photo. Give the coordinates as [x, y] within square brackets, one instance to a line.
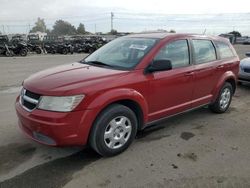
[204, 32]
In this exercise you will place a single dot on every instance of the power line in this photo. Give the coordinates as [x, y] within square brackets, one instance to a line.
[53, 18]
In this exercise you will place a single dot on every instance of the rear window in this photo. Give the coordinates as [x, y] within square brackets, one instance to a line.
[204, 51]
[224, 50]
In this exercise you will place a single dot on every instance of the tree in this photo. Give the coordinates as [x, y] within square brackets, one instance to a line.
[81, 29]
[172, 31]
[235, 33]
[62, 27]
[39, 26]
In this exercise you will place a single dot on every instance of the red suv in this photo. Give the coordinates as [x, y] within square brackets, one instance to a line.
[125, 86]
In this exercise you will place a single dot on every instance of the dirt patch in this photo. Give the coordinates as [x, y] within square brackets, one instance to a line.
[13, 155]
[191, 156]
[187, 135]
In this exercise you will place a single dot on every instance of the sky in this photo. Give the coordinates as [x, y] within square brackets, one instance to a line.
[129, 15]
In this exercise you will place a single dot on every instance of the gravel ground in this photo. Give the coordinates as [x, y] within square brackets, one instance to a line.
[196, 149]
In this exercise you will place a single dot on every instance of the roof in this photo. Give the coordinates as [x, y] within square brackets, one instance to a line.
[163, 35]
[157, 35]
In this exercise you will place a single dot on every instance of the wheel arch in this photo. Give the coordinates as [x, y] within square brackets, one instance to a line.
[226, 77]
[127, 97]
[232, 81]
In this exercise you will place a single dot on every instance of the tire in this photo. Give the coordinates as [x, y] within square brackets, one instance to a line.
[8, 53]
[38, 50]
[222, 104]
[23, 52]
[91, 50]
[64, 51]
[109, 136]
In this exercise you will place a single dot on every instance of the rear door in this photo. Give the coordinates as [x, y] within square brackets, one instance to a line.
[205, 74]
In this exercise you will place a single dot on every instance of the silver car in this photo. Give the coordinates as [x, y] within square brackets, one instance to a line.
[244, 73]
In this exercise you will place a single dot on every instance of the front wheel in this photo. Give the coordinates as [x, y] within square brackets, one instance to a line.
[114, 130]
[9, 53]
[223, 100]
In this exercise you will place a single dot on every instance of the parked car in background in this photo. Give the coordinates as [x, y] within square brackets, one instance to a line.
[244, 73]
[127, 85]
[247, 41]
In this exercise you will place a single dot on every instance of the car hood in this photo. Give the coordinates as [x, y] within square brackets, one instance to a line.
[71, 79]
[245, 63]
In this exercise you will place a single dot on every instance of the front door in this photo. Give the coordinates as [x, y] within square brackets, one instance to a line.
[171, 91]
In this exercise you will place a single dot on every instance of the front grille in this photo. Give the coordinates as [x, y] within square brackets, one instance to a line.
[32, 95]
[29, 100]
[247, 70]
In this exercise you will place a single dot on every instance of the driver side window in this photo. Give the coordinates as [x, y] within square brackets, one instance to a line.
[177, 52]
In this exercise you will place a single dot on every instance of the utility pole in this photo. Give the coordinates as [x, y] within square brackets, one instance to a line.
[112, 18]
[3, 30]
[95, 28]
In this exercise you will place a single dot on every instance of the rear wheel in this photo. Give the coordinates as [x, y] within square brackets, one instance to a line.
[223, 100]
[114, 130]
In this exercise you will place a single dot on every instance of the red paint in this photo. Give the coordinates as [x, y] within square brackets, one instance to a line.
[158, 94]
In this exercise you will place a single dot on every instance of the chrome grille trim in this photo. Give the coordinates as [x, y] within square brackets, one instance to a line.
[33, 101]
[29, 101]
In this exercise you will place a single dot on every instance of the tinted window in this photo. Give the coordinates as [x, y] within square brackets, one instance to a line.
[224, 50]
[177, 52]
[204, 51]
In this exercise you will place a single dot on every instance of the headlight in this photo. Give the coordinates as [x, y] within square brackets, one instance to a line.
[60, 104]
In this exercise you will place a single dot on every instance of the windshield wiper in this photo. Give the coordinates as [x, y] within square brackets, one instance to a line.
[97, 63]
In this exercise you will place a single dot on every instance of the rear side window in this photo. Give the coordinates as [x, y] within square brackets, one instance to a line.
[224, 50]
[177, 52]
[204, 51]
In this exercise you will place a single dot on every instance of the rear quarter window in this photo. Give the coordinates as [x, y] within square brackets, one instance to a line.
[224, 50]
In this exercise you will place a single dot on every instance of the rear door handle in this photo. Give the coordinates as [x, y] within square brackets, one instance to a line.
[220, 67]
[189, 74]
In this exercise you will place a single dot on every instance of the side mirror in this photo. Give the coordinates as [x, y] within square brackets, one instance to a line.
[160, 65]
[248, 54]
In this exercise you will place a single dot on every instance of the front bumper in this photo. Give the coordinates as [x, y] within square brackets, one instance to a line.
[244, 77]
[55, 128]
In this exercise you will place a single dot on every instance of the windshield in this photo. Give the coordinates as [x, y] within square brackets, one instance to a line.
[123, 53]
